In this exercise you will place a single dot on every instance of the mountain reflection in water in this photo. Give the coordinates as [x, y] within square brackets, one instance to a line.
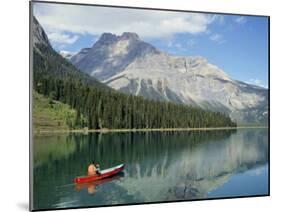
[160, 166]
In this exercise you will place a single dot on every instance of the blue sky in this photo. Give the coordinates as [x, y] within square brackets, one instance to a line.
[236, 44]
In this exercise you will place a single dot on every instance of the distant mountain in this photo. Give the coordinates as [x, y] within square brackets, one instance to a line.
[98, 106]
[77, 57]
[128, 64]
[66, 54]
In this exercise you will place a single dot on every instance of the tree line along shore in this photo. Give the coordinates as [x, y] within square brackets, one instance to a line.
[73, 100]
[144, 130]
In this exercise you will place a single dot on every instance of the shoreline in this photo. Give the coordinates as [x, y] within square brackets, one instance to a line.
[85, 131]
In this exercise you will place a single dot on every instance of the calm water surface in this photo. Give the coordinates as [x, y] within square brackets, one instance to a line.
[160, 166]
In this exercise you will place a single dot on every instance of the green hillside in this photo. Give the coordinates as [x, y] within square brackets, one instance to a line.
[102, 107]
[56, 78]
[51, 115]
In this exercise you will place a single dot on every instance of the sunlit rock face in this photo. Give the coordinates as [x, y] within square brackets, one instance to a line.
[128, 64]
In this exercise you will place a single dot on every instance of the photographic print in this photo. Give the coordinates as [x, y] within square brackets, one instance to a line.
[138, 105]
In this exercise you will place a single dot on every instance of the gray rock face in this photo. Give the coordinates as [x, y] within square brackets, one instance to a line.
[111, 53]
[39, 36]
[79, 56]
[131, 65]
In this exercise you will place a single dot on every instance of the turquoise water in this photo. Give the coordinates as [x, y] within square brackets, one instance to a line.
[160, 166]
[250, 182]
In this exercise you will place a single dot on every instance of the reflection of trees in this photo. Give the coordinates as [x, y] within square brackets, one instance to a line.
[112, 148]
[194, 170]
[211, 165]
[159, 165]
[51, 147]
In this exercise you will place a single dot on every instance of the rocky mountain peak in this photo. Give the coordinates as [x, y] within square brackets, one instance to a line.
[112, 54]
[131, 65]
[130, 35]
[107, 38]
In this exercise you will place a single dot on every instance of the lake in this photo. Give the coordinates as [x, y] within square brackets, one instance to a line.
[159, 166]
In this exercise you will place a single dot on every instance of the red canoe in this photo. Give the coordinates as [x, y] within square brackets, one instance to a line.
[103, 174]
[80, 186]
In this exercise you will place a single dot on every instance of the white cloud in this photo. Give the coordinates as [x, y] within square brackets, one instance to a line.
[217, 38]
[62, 38]
[240, 20]
[81, 19]
[257, 82]
[64, 52]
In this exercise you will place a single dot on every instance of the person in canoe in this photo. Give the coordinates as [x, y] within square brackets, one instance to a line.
[94, 169]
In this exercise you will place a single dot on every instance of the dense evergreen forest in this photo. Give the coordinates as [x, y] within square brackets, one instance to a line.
[100, 107]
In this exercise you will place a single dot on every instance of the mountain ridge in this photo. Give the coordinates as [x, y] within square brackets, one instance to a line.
[98, 106]
[128, 64]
